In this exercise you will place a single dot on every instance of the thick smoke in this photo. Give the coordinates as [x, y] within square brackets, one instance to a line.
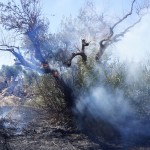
[101, 103]
[111, 106]
[114, 109]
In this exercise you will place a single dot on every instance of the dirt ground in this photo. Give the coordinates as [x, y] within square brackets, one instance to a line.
[33, 130]
[25, 128]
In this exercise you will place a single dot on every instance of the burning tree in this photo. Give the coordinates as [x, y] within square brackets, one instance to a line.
[26, 20]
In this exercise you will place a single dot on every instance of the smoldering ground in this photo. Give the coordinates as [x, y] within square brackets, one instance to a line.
[108, 114]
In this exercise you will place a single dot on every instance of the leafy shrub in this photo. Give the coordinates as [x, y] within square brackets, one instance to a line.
[86, 75]
[30, 77]
[117, 76]
[48, 94]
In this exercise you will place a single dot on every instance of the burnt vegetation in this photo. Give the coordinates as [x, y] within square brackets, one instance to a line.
[61, 69]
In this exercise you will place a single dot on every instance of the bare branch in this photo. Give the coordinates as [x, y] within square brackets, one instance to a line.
[124, 17]
[80, 53]
[5, 45]
[8, 50]
[104, 43]
[115, 38]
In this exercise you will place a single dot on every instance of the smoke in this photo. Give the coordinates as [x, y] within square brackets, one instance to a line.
[15, 119]
[135, 44]
[101, 103]
[110, 108]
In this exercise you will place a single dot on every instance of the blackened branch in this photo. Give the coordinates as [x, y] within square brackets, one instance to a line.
[5, 45]
[79, 53]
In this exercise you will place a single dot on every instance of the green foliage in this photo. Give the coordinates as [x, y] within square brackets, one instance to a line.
[48, 94]
[30, 77]
[91, 74]
[86, 76]
[115, 74]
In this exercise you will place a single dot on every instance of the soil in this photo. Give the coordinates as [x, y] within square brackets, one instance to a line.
[27, 128]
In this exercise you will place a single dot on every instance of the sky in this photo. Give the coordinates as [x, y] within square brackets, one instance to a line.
[134, 45]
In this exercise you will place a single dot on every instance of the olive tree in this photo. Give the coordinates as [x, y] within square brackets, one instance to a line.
[26, 20]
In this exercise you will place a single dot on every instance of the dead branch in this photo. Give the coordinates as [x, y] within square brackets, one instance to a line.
[104, 43]
[117, 36]
[5, 45]
[79, 53]
[123, 18]
[7, 50]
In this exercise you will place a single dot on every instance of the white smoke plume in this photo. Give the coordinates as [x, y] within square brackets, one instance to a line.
[115, 110]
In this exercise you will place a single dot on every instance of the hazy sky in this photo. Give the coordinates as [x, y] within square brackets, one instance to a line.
[135, 44]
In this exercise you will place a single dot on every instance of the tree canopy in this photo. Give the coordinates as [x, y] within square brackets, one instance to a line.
[45, 52]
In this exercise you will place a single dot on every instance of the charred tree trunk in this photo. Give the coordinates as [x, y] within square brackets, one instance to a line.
[68, 93]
